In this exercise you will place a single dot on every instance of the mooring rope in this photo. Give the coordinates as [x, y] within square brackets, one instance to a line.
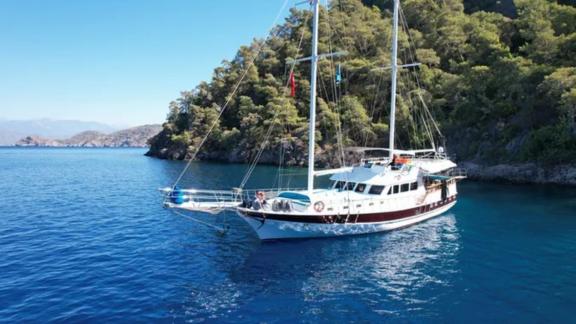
[221, 230]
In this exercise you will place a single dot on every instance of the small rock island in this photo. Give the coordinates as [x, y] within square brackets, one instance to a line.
[131, 137]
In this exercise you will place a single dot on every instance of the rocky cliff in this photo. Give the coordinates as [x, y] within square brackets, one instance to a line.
[523, 173]
[502, 89]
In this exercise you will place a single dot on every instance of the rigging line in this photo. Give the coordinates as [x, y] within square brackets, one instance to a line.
[375, 101]
[260, 151]
[413, 108]
[378, 85]
[280, 164]
[338, 130]
[428, 130]
[324, 88]
[415, 111]
[339, 141]
[373, 106]
[323, 85]
[330, 49]
[292, 66]
[409, 57]
[232, 94]
[412, 43]
[377, 92]
[257, 157]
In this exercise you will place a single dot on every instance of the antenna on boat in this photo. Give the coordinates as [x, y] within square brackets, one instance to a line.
[394, 74]
[313, 75]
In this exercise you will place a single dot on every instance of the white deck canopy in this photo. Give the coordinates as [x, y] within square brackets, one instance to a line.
[395, 151]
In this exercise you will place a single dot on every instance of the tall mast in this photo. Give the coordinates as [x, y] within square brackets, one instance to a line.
[392, 126]
[314, 71]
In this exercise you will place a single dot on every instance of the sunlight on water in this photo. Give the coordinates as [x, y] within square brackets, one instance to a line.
[84, 237]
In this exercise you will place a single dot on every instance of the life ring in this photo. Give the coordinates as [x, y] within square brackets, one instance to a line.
[318, 206]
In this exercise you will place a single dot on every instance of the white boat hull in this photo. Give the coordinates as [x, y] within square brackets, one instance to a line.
[278, 229]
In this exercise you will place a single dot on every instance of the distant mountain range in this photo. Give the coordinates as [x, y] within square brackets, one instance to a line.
[13, 130]
[131, 137]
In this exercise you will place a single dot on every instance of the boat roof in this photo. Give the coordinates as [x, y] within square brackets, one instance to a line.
[377, 175]
[434, 165]
[397, 151]
[372, 172]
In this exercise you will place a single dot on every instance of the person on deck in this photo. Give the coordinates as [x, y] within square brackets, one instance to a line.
[394, 165]
[398, 162]
[259, 200]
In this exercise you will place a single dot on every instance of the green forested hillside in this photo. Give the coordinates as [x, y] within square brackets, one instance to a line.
[501, 89]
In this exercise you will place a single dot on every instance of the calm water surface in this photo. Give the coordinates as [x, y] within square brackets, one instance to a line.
[84, 238]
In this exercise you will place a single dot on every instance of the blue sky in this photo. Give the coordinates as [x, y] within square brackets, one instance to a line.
[117, 61]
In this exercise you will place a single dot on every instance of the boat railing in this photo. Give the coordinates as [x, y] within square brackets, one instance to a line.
[375, 161]
[268, 192]
[458, 173]
[431, 156]
[214, 200]
[384, 160]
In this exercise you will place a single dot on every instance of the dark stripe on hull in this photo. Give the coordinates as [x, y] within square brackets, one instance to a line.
[352, 218]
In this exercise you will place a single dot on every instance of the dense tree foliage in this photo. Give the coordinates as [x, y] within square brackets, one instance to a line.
[502, 89]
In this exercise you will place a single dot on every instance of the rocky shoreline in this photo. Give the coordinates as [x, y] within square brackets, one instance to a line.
[519, 173]
[522, 173]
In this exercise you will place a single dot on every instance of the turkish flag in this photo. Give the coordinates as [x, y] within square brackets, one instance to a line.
[292, 85]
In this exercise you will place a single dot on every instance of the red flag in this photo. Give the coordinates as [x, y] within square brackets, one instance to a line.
[292, 85]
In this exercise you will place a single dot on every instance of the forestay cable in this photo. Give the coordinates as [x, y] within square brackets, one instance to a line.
[232, 94]
[272, 124]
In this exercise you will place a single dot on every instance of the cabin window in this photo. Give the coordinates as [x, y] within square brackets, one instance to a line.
[339, 185]
[360, 187]
[350, 185]
[390, 190]
[405, 187]
[396, 189]
[414, 186]
[376, 190]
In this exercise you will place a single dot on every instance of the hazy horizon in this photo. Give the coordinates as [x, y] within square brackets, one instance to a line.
[111, 124]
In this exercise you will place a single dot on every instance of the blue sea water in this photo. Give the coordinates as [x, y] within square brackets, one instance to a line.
[84, 238]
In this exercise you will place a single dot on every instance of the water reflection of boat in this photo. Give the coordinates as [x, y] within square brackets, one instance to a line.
[399, 265]
[390, 270]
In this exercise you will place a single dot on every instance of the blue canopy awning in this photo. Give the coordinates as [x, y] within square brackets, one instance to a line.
[437, 177]
[295, 196]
